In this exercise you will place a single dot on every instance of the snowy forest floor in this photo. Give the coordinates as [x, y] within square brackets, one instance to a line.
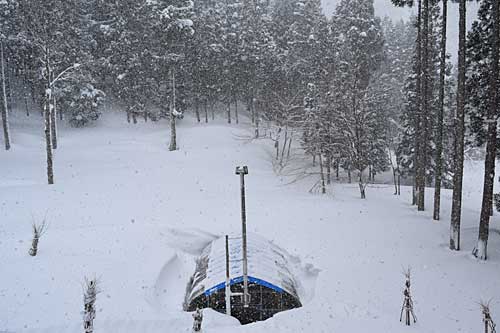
[133, 214]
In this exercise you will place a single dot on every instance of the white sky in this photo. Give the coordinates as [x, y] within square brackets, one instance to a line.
[385, 8]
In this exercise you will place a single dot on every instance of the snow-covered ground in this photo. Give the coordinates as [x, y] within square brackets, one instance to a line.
[133, 214]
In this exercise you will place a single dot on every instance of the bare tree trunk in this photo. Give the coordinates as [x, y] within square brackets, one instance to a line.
[395, 181]
[229, 112]
[328, 168]
[41, 104]
[491, 204]
[252, 109]
[48, 139]
[248, 109]
[456, 208]
[322, 173]
[414, 192]
[439, 134]
[289, 145]
[257, 121]
[362, 186]
[206, 111]
[173, 112]
[8, 77]
[5, 113]
[173, 134]
[33, 96]
[285, 141]
[418, 116]
[277, 147]
[399, 184]
[53, 124]
[337, 170]
[197, 109]
[26, 102]
[481, 249]
[349, 177]
[236, 110]
[423, 133]
[25, 88]
[61, 114]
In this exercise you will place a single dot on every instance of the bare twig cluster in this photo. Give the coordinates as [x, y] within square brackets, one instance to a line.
[91, 289]
[489, 324]
[198, 318]
[38, 231]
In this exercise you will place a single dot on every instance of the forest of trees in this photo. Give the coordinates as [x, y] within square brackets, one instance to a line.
[359, 93]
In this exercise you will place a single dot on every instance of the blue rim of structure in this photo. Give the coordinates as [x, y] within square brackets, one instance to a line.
[239, 279]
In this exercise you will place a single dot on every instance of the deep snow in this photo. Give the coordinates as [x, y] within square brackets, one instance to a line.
[135, 215]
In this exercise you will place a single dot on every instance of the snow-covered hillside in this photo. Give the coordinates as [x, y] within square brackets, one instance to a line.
[133, 214]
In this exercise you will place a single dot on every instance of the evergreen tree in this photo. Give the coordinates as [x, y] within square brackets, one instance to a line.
[256, 50]
[483, 103]
[174, 30]
[440, 114]
[360, 56]
[43, 27]
[456, 208]
[395, 71]
[131, 56]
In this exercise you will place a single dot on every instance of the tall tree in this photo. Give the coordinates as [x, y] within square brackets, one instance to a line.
[4, 106]
[456, 208]
[360, 56]
[396, 69]
[425, 114]
[42, 25]
[440, 116]
[418, 168]
[174, 30]
[483, 106]
[6, 26]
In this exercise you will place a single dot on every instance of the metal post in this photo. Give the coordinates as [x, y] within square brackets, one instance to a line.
[228, 280]
[242, 171]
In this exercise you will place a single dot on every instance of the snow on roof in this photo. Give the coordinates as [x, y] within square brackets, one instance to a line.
[267, 266]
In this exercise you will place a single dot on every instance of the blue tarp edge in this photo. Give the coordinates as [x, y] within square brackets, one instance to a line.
[239, 279]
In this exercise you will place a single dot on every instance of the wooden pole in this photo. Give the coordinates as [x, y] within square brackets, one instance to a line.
[228, 280]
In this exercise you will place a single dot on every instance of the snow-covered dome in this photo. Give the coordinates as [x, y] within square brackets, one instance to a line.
[268, 266]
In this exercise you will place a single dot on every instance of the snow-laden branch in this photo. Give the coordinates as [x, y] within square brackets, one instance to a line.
[74, 66]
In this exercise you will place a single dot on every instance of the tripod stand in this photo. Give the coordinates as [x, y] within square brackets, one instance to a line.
[407, 306]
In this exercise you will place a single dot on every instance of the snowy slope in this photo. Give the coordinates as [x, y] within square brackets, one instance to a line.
[126, 210]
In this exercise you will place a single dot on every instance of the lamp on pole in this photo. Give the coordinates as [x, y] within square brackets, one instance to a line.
[242, 171]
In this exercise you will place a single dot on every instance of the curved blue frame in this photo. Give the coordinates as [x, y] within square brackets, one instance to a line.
[239, 279]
